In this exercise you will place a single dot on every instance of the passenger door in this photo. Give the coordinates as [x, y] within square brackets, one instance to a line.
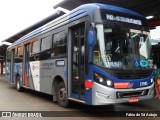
[26, 65]
[78, 61]
[12, 66]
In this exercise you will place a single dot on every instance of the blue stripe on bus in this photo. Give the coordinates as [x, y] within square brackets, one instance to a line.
[88, 93]
[88, 96]
[100, 71]
[74, 95]
[136, 82]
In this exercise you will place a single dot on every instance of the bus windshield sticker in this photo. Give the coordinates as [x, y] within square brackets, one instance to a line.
[145, 33]
[144, 63]
[123, 19]
[135, 31]
[137, 63]
[115, 64]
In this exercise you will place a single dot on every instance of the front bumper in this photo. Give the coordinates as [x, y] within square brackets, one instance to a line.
[102, 95]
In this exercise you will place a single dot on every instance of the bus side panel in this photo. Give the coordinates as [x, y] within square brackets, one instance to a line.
[34, 77]
[49, 69]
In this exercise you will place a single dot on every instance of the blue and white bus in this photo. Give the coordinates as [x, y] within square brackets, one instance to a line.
[97, 54]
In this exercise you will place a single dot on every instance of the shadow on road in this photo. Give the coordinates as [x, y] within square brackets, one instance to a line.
[141, 106]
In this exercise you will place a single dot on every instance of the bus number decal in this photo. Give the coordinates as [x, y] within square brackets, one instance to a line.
[143, 83]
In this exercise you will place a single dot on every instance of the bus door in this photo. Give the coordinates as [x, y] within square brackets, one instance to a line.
[12, 66]
[78, 60]
[26, 65]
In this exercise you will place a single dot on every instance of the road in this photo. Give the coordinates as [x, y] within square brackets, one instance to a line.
[28, 100]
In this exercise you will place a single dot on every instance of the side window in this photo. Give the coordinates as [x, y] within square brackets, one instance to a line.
[59, 44]
[15, 52]
[8, 56]
[46, 45]
[8, 63]
[19, 55]
[20, 51]
[36, 47]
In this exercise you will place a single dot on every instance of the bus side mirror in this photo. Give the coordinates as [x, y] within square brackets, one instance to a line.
[91, 38]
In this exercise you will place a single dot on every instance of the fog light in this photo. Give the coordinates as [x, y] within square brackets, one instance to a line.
[151, 80]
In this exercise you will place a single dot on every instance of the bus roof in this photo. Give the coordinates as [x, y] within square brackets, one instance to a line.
[83, 10]
[109, 7]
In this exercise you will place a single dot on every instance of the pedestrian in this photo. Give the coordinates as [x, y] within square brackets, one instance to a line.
[156, 79]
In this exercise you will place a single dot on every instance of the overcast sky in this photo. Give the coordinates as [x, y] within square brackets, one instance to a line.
[16, 15]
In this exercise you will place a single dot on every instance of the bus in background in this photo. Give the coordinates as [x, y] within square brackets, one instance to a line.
[97, 54]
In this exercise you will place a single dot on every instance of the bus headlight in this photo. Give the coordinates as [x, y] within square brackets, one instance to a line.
[102, 80]
[98, 78]
[152, 80]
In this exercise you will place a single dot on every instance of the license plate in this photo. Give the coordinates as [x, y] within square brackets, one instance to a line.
[133, 99]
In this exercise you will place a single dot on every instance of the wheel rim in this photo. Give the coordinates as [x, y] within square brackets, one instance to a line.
[62, 94]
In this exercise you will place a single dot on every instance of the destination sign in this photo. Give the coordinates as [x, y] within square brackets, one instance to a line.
[123, 19]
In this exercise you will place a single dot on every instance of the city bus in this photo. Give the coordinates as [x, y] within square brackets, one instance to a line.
[96, 54]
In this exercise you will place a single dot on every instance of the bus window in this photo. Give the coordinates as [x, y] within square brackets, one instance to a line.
[36, 47]
[19, 54]
[8, 64]
[46, 43]
[97, 56]
[20, 51]
[59, 45]
[45, 48]
[8, 56]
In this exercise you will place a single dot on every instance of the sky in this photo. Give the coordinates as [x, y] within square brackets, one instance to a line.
[16, 15]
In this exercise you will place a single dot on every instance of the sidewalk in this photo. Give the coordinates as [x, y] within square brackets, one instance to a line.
[3, 76]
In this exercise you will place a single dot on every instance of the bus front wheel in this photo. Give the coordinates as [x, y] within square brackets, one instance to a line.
[18, 87]
[61, 95]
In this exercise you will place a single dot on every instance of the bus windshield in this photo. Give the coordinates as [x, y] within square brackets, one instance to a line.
[122, 48]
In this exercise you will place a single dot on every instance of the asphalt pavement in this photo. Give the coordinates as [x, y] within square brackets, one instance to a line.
[31, 101]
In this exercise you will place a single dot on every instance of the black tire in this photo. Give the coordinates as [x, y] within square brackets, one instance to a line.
[18, 87]
[61, 95]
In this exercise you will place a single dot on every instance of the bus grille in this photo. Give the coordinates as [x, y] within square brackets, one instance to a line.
[128, 94]
[132, 74]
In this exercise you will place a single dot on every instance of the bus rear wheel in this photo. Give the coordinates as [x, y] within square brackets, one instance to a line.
[61, 95]
[18, 87]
